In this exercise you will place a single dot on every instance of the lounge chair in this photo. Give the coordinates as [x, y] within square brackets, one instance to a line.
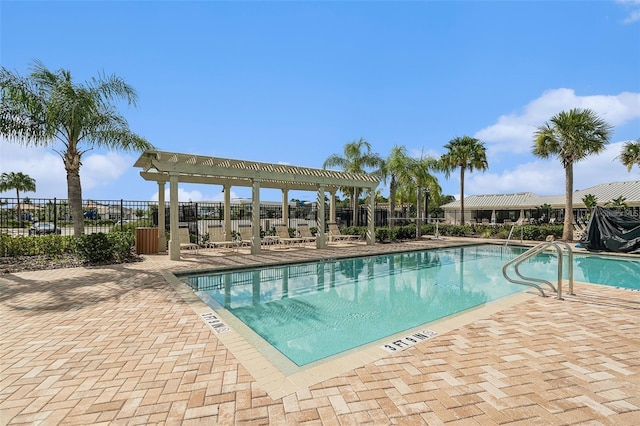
[284, 237]
[185, 240]
[336, 235]
[217, 239]
[246, 237]
[305, 233]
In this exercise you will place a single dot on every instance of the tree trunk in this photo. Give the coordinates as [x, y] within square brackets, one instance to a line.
[74, 190]
[392, 202]
[20, 221]
[461, 195]
[567, 231]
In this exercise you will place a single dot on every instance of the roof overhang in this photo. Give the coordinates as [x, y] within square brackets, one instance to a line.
[159, 165]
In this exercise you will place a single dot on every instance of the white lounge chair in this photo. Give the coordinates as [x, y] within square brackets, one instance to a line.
[185, 240]
[336, 235]
[217, 239]
[284, 237]
[305, 233]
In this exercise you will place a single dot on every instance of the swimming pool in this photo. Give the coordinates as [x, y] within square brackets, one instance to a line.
[312, 311]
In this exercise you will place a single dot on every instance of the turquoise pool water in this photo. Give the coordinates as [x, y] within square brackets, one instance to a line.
[312, 311]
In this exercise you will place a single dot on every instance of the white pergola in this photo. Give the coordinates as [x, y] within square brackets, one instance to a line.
[173, 167]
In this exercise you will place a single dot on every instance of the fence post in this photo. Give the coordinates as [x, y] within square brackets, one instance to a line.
[121, 213]
[55, 214]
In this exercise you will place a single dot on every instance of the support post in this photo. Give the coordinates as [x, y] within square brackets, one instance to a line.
[174, 242]
[227, 212]
[162, 226]
[255, 217]
[321, 241]
[285, 207]
[371, 230]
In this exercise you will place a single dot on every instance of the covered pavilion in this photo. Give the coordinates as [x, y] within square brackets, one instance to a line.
[173, 167]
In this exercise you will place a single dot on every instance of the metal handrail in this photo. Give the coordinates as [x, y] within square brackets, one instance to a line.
[531, 281]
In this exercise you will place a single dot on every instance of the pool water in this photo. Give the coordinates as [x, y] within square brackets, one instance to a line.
[311, 311]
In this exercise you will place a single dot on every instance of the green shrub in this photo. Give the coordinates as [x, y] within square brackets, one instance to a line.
[383, 235]
[53, 245]
[121, 245]
[93, 248]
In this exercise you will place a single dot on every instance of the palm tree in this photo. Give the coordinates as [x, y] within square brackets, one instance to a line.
[571, 135]
[394, 167]
[20, 182]
[619, 203]
[419, 178]
[630, 154]
[48, 107]
[467, 153]
[355, 160]
[590, 201]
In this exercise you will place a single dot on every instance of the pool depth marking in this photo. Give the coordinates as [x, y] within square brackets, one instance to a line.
[408, 341]
[214, 322]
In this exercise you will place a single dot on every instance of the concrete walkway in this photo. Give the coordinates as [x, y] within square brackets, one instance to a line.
[118, 345]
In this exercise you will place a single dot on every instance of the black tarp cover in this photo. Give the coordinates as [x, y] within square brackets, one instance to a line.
[612, 230]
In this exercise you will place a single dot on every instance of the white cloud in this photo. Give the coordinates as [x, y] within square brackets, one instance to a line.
[633, 17]
[100, 170]
[47, 168]
[514, 132]
[39, 163]
[635, 14]
[546, 177]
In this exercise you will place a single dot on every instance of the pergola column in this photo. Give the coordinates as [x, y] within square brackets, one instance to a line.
[255, 217]
[285, 207]
[332, 206]
[321, 241]
[162, 239]
[371, 236]
[227, 212]
[174, 242]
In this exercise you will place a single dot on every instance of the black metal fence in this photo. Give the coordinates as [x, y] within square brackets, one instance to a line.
[46, 215]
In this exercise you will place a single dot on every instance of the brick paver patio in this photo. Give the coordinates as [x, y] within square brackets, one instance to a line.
[118, 345]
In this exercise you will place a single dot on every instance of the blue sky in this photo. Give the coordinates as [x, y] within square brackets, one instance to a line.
[293, 82]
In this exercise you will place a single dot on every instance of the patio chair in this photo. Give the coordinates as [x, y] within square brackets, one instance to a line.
[246, 237]
[217, 238]
[305, 233]
[185, 240]
[283, 235]
[336, 235]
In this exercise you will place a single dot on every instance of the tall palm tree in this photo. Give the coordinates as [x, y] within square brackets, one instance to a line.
[395, 166]
[357, 156]
[419, 178]
[630, 154]
[572, 136]
[466, 153]
[20, 182]
[48, 107]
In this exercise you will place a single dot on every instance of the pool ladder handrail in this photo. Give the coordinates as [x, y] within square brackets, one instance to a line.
[531, 281]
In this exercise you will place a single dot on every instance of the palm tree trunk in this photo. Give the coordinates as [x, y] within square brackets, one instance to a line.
[461, 195]
[567, 231]
[74, 190]
[20, 222]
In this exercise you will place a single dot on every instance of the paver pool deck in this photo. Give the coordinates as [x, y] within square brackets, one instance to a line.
[120, 345]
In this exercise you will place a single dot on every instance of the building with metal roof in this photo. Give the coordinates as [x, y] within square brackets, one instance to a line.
[498, 208]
